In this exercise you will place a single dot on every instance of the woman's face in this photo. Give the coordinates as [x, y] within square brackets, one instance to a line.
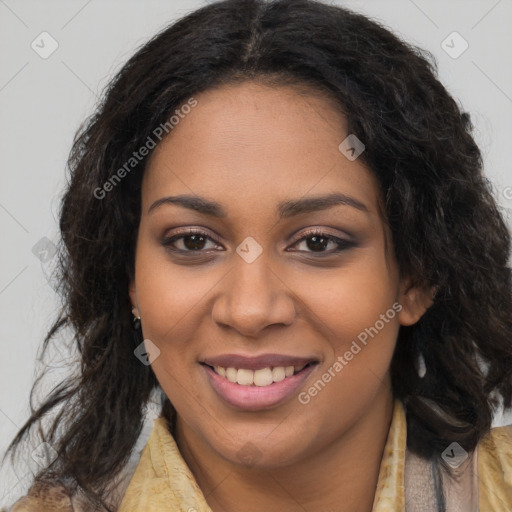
[251, 165]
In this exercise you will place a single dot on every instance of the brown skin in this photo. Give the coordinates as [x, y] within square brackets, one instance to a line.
[249, 147]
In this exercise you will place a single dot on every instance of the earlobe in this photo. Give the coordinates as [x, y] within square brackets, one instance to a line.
[415, 301]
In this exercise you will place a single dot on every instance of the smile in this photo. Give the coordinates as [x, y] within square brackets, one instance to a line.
[258, 389]
[263, 377]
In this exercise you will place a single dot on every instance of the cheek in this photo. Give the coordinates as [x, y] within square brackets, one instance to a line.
[169, 301]
[168, 294]
[352, 299]
[357, 313]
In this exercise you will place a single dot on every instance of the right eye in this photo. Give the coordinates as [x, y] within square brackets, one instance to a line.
[192, 240]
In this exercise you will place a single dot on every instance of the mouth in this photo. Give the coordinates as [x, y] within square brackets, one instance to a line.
[254, 384]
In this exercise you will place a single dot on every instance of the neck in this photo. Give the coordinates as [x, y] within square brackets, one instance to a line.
[344, 472]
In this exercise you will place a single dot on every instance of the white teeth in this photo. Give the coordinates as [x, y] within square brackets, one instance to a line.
[231, 374]
[262, 377]
[278, 374]
[245, 377]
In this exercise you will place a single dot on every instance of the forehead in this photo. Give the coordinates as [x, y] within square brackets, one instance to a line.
[250, 146]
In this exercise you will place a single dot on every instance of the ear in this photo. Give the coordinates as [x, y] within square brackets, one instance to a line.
[133, 296]
[415, 301]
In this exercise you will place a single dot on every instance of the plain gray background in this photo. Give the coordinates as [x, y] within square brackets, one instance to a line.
[43, 101]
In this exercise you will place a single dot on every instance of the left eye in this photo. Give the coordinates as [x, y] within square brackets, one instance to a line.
[316, 241]
[195, 241]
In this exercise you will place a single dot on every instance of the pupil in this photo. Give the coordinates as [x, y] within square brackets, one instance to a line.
[193, 245]
[316, 244]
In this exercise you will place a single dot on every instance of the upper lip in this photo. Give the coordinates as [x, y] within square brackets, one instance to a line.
[257, 362]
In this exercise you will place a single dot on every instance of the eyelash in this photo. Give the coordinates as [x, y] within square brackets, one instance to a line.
[342, 244]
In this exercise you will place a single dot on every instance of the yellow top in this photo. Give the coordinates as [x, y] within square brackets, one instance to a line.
[162, 481]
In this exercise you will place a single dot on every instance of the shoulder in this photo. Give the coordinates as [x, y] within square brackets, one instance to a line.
[494, 453]
[44, 497]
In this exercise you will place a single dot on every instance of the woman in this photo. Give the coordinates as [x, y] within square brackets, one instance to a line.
[278, 218]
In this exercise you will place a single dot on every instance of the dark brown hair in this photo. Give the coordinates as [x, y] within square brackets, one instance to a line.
[447, 230]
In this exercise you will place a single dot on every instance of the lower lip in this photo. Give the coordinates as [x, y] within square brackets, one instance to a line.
[253, 398]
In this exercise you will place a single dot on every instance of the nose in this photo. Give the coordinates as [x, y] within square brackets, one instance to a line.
[252, 297]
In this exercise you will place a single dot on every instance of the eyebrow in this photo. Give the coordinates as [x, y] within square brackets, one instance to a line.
[285, 209]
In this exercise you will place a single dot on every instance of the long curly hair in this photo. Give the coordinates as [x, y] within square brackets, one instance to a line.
[447, 230]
